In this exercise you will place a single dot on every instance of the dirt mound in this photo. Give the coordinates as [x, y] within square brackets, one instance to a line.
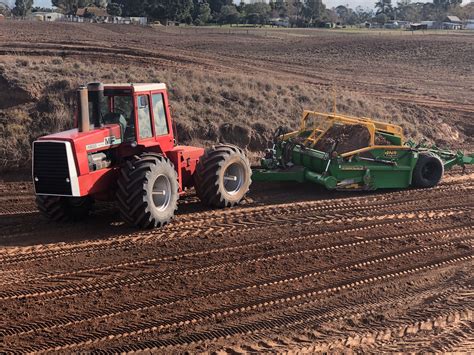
[12, 94]
[235, 134]
[348, 138]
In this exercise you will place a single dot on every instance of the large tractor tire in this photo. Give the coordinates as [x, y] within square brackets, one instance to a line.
[428, 171]
[64, 209]
[223, 176]
[147, 193]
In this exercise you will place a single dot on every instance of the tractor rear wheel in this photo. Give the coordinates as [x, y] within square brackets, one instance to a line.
[428, 171]
[64, 209]
[147, 192]
[223, 176]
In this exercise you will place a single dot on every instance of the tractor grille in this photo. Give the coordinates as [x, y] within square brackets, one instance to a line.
[50, 169]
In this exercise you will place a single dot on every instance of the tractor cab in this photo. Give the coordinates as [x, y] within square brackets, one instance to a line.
[141, 111]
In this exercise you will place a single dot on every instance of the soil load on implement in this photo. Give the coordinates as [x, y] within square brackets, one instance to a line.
[343, 152]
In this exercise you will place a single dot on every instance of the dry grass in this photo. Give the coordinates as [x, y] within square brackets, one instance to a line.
[208, 108]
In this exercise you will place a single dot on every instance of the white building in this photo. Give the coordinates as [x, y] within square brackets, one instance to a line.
[46, 16]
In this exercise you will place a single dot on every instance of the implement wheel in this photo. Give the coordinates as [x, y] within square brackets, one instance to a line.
[64, 209]
[147, 192]
[429, 170]
[223, 176]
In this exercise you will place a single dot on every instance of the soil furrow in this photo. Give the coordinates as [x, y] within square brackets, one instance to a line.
[157, 326]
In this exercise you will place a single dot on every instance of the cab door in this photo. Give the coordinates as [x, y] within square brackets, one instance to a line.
[153, 128]
[144, 127]
[162, 127]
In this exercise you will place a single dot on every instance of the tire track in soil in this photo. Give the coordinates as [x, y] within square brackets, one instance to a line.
[93, 286]
[194, 221]
[153, 326]
[386, 300]
[259, 221]
[373, 335]
[261, 282]
[300, 314]
[433, 229]
[343, 203]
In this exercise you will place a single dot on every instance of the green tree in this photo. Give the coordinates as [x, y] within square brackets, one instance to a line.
[281, 7]
[131, 7]
[313, 10]
[70, 6]
[101, 3]
[446, 4]
[465, 12]
[384, 7]
[216, 5]
[428, 11]
[258, 13]
[295, 12]
[346, 15]
[363, 15]
[343, 13]
[381, 18]
[4, 9]
[114, 9]
[408, 12]
[22, 7]
[175, 10]
[229, 15]
[204, 15]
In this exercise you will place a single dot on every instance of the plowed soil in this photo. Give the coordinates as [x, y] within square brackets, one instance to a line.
[293, 268]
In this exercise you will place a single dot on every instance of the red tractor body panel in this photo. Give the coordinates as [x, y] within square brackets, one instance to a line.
[185, 160]
[108, 140]
[83, 143]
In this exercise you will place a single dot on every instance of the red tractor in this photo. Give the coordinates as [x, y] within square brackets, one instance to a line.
[124, 149]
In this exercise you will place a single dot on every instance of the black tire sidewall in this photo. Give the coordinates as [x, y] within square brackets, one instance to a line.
[78, 208]
[234, 198]
[150, 178]
[419, 180]
[209, 176]
[65, 209]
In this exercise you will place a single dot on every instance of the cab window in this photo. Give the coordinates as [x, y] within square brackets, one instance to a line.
[144, 118]
[161, 124]
[122, 113]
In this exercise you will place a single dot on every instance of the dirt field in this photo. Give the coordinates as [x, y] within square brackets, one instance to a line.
[295, 268]
[314, 271]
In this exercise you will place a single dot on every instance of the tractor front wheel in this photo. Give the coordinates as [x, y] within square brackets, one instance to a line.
[64, 209]
[428, 171]
[147, 192]
[223, 176]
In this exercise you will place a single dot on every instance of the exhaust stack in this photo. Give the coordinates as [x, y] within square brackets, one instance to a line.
[84, 122]
[96, 98]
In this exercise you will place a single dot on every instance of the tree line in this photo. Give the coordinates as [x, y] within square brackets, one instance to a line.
[298, 13]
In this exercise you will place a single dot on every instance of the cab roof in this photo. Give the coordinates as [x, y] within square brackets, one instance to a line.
[137, 87]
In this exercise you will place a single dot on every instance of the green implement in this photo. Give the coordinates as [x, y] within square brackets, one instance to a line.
[344, 152]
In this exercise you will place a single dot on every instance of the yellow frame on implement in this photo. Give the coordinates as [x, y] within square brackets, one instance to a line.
[372, 125]
[327, 120]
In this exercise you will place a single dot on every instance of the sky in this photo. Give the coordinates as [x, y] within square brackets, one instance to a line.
[329, 3]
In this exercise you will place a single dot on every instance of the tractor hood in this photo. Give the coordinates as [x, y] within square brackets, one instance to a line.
[96, 140]
[85, 144]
